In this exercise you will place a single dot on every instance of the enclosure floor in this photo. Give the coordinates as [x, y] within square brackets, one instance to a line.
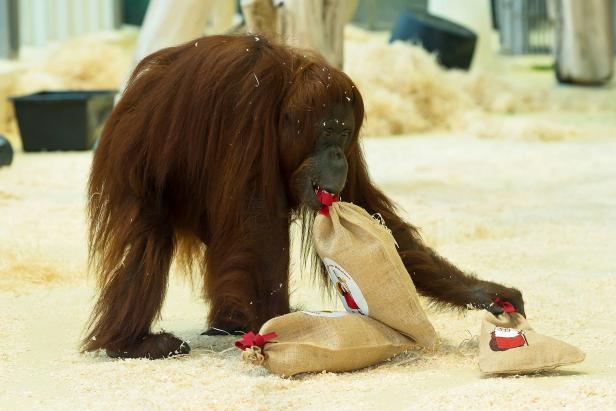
[537, 215]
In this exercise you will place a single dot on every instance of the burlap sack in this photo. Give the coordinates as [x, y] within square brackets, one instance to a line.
[324, 341]
[509, 345]
[362, 261]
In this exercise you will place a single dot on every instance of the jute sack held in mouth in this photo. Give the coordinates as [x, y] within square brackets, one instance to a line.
[363, 264]
[306, 341]
[509, 345]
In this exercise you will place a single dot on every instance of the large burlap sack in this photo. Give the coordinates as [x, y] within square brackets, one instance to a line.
[509, 345]
[306, 341]
[362, 261]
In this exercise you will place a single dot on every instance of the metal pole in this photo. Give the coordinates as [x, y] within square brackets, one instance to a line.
[9, 29]
[584, 51]
[118, 15]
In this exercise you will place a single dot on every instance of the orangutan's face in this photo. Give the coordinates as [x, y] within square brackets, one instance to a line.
[326, 168]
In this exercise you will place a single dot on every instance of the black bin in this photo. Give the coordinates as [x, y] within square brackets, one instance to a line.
[453, 44]
[62, 120]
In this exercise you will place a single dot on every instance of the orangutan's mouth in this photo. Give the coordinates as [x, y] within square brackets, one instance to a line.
[324, 197]
[317, 188]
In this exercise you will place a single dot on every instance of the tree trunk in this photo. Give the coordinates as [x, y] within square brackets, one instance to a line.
[313, 24]
[260, 16]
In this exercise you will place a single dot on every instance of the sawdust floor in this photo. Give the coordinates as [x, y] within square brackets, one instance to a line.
[538, 215]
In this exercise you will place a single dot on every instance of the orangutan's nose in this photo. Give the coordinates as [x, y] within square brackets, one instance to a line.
[335, 171]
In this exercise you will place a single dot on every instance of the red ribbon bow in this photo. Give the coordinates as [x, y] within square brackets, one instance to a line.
[251, 339]
[327, 199]
[505, 305]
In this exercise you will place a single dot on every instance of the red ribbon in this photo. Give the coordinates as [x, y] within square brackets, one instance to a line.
[251, 339]
[505, 305]
[327, 199]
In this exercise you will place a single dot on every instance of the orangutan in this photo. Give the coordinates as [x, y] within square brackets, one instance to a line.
[220, 143]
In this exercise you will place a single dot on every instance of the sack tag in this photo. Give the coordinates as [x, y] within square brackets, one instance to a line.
[328, 314]
[503, 339]
[350, 294]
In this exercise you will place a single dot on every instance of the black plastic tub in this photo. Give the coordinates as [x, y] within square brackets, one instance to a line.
[6, 152]
[453, 44]
[62, 120]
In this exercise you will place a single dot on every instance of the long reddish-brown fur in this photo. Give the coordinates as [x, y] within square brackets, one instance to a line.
[203, 148]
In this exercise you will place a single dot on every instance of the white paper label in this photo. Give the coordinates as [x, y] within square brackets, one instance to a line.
[348, 290]
[329, 314]
[506, 332]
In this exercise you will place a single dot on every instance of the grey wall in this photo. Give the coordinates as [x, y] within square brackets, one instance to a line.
[382, 14]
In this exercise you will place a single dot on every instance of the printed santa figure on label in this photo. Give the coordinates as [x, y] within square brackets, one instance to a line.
[503, 339]
[343, 289]
[352, 298]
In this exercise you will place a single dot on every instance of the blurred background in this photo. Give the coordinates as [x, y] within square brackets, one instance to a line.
[422, 65]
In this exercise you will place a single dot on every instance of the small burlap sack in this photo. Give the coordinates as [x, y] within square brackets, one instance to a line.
[362, 261]
[307, 341]
[509, 345]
